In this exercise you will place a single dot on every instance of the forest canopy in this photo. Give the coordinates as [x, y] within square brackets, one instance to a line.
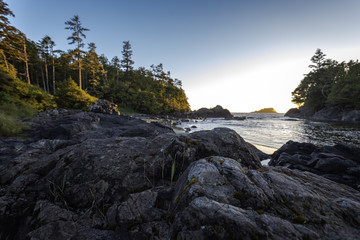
[81, 73]
[329, 84]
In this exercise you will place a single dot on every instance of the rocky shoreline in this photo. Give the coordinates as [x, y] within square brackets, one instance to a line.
[86, 175]
[326, 114]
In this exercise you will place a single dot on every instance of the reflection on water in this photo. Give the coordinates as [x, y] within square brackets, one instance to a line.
[274, 130]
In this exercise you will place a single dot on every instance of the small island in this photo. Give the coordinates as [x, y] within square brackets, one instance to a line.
[265, 110]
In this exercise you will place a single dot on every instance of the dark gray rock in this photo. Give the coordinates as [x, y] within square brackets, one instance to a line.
[103, 176]
[104, 106]
[351, 116]
[325, 114]
[339, 163]
[299, 113]
[328, 114]
[114, 177]
[218, 198]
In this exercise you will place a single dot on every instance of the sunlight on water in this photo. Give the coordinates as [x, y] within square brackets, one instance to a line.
[274, 130]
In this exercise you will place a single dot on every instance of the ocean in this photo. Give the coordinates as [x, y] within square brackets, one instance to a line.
[270, 131]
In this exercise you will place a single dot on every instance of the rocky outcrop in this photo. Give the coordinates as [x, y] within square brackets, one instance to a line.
[299, 113]
[84, 175]
[325, 114]
[104, 106]
[340, 163]
[216, 112]
[218, 198]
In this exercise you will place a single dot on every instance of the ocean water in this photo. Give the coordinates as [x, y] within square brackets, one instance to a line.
[270, 131]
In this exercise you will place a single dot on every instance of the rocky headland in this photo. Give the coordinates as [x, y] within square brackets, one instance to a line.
[326, 114]
[86, 175]
[265, 110]
[215, 112]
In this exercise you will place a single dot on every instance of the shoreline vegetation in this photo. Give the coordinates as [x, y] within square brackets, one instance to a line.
[329, 92]
[36, 76]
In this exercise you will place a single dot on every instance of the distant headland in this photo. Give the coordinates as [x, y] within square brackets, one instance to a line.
[265, 110]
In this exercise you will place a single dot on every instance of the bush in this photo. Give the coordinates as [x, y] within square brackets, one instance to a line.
[70, 96]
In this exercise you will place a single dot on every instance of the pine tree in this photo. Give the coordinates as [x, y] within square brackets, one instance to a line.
[127, 63]
[94, 67]
[77, 38]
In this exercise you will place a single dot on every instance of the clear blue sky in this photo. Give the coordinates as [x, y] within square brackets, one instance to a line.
[243, 55]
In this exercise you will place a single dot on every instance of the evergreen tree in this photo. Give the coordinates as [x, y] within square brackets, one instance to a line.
[127, 63]
[77, 38]
[45, 45]
[116, 65]
[94, 67]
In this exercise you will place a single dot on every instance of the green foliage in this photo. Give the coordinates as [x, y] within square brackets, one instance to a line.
[18, 99]
[141, 90]
[329, 84]
[70, 96]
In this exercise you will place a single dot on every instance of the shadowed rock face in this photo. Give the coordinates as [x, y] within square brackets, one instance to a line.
[217, 197]
[340, 163]
[93, 176]
[90, 169]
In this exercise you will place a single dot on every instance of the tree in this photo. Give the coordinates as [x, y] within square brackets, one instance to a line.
[45, 45]
[318, 60]
[94, 67]
[126, 62]
[77, 38]
[116, 64]
[5, 27]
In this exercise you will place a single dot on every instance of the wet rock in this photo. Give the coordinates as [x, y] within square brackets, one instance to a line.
[339, 163]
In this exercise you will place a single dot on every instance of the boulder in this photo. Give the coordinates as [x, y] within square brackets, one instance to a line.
[340, 163]
[218, 198]
[301, 112]
[104, 106]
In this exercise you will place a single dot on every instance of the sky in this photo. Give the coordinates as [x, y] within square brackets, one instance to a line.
[242, 55]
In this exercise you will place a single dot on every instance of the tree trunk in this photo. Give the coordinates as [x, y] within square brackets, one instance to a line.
[43, 79]
[117, 76]
[80, 85]
[53, 75]
[5, 61]
[47, 76]
[26, 64]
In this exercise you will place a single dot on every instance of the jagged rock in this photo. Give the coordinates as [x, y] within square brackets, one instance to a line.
[103, 176]
[340, 163]
[218, 198]
[91, 168]
[104, 106]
